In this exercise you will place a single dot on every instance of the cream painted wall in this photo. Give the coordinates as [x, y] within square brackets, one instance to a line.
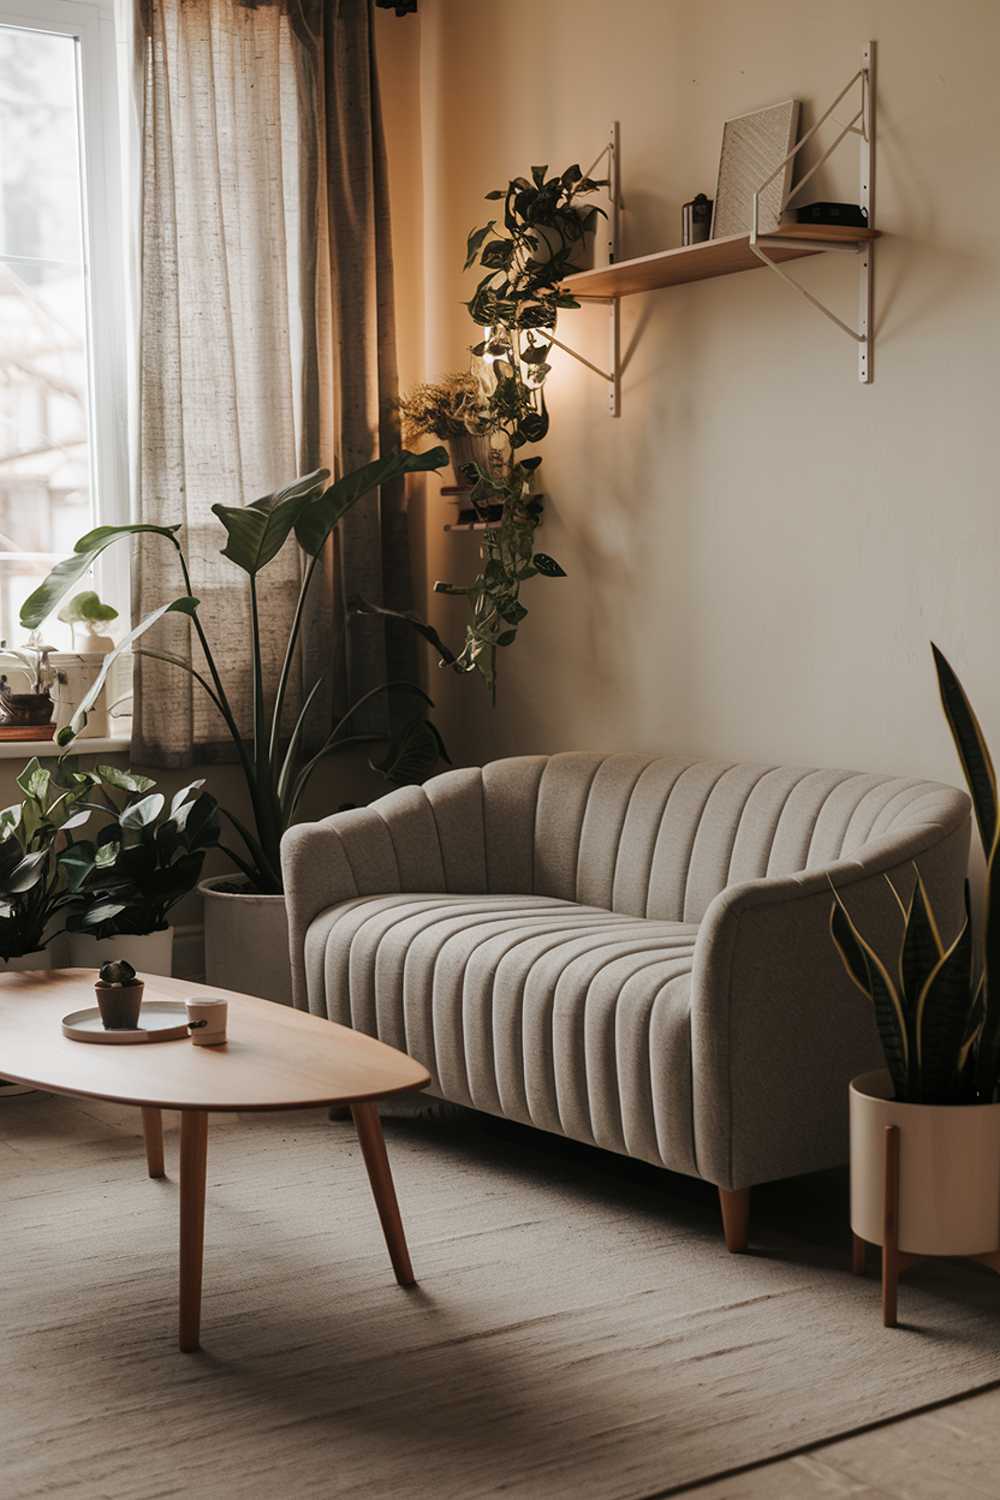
[760, 548]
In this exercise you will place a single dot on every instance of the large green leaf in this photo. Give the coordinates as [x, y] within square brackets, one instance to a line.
[140, 814]
[973, 752]
[944, 1007]
[185, 605]
[412, 753]
[409, 617]
[258, 532]
[919, 954]
[475, 239]
[39, 605]
[26, 873]
[125, 781]
[185, 794]
[321, 515]
[34, 779]
[76, 863]
[889, 1016]
[851, 953]
[307, 484]
[980, 777]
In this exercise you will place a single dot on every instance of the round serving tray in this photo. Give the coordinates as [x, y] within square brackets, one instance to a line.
[159, 1021]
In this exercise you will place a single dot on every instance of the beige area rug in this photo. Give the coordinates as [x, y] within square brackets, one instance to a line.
[578, 1330]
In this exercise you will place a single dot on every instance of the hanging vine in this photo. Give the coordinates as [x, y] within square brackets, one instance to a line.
[525, 255]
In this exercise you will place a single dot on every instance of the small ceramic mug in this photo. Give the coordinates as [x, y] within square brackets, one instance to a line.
[207, 1021]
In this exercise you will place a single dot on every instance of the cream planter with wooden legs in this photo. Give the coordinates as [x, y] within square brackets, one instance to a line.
[948, 1171]
[246, 940]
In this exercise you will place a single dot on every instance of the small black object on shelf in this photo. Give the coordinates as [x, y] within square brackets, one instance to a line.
[851, 215]
[696, 220]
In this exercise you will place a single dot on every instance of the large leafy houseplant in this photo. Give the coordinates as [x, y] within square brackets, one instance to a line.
[147, 855]
[276, 767]
[524, 257]
[33, 832]
[125, 878]
[936, 1001]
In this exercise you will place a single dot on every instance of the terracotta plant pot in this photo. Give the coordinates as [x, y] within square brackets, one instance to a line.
[119, 1005]
[949, 1171]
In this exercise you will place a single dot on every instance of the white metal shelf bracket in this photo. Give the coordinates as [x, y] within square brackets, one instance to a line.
[861, 124]
[610, 155]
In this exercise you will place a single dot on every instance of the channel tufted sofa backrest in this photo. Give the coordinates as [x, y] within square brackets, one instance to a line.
[644, 835]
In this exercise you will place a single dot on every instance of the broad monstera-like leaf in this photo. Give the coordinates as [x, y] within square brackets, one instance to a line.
[257, 532]
[39, 605]
[321, 514]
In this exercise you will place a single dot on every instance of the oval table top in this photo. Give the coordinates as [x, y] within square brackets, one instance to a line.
[275, 1057]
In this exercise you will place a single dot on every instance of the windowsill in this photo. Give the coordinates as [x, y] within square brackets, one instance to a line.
[113, 744]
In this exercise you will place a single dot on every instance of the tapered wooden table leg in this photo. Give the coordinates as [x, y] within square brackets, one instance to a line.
[369, 1129]
[152, 1130]
[890, 1228]
[194, 1154]
[857, 1255]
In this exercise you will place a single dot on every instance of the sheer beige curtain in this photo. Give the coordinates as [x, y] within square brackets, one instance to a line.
[266, 336]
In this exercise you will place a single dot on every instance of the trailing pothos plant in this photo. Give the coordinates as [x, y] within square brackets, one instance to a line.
[937, 1002]
[275, 765]
[525, 256]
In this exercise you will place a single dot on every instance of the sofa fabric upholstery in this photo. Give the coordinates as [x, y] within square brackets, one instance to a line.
[624, 949]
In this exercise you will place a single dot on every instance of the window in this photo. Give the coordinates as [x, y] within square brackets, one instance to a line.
[63, 430]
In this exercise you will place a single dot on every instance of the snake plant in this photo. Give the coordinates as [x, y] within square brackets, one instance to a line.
[937, 1002]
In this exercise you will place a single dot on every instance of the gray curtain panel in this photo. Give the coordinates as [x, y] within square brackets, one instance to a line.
[267, 340]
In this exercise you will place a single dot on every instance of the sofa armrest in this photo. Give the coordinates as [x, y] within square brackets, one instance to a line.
[418, 838]
[336, 859]
[777, 1029]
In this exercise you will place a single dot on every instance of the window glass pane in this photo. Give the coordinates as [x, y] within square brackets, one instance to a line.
[45, 460]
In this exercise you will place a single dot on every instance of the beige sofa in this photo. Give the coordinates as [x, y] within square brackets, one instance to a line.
[622, 949]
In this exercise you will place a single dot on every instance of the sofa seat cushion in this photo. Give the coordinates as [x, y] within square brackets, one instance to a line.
[567, 1017]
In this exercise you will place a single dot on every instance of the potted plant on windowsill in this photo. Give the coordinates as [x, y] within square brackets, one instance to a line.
[127, 880]
[246, 944]
[936, 1002]
[75, 670]
[28, 715]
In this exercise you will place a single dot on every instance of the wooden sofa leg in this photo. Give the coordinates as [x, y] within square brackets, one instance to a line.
[735, 1207]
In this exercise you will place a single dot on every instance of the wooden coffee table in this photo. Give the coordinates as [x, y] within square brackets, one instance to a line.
[275, 1058]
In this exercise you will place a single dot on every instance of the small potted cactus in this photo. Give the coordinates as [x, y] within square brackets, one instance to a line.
[119, 995]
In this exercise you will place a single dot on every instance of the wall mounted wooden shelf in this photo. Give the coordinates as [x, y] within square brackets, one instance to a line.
[745, 252]
[722, 257]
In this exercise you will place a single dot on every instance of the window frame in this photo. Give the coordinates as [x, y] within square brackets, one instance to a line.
[91, 24]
